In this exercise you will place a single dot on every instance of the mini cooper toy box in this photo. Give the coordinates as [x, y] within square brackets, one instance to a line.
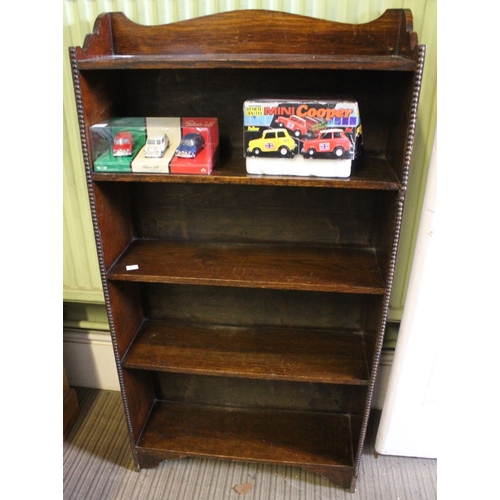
[301, 137]
[151, 145]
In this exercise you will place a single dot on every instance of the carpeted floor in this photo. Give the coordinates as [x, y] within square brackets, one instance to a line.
[98, 465]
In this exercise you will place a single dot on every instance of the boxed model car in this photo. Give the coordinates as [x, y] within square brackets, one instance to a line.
[116, 142]
[155, 156]
[156, 145]
[301, 137]
[191, 144]
[197, 151]
[123, 143]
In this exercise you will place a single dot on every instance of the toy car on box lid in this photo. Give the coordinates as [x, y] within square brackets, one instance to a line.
[332, 140]
[273, 141]
[300, 126]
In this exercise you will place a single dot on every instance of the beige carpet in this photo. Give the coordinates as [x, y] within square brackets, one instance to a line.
[98, 465]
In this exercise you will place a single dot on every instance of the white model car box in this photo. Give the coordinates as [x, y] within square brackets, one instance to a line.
[301, 137]
[157, 159]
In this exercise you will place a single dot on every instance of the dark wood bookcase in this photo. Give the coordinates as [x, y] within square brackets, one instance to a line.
[253, 326]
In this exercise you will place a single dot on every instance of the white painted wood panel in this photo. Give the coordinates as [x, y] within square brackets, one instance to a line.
[409, 424]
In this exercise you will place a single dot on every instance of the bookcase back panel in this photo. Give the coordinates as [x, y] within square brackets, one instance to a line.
[245, 393]
[264, 213]
[253, 307]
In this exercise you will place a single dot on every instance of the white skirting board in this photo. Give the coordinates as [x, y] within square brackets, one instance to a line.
[90, 362]
[384, 370]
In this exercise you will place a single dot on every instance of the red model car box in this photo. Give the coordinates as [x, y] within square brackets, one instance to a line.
[197, 152]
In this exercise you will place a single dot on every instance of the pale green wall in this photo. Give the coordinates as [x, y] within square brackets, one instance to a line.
[80, 268]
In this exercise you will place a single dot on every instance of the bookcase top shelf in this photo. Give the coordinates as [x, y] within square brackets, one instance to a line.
[252, 38]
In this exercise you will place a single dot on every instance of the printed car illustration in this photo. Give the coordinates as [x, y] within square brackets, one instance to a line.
[190, 145]
[123, 144]
[332, 141]
[273, 141]
[156, 145]
[300, 126]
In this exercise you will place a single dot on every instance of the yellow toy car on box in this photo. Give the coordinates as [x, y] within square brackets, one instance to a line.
[273, 141]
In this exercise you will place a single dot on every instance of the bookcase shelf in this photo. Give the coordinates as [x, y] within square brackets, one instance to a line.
[272, 353]
[276, 436]
[290, 267]
[247, 312]
[369, 173]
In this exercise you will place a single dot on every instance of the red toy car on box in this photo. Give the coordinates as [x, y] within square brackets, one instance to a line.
[300, 126]
[329, 141]
[123, 144]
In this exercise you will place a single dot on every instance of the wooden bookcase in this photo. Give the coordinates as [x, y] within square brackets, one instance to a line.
[253, 326]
